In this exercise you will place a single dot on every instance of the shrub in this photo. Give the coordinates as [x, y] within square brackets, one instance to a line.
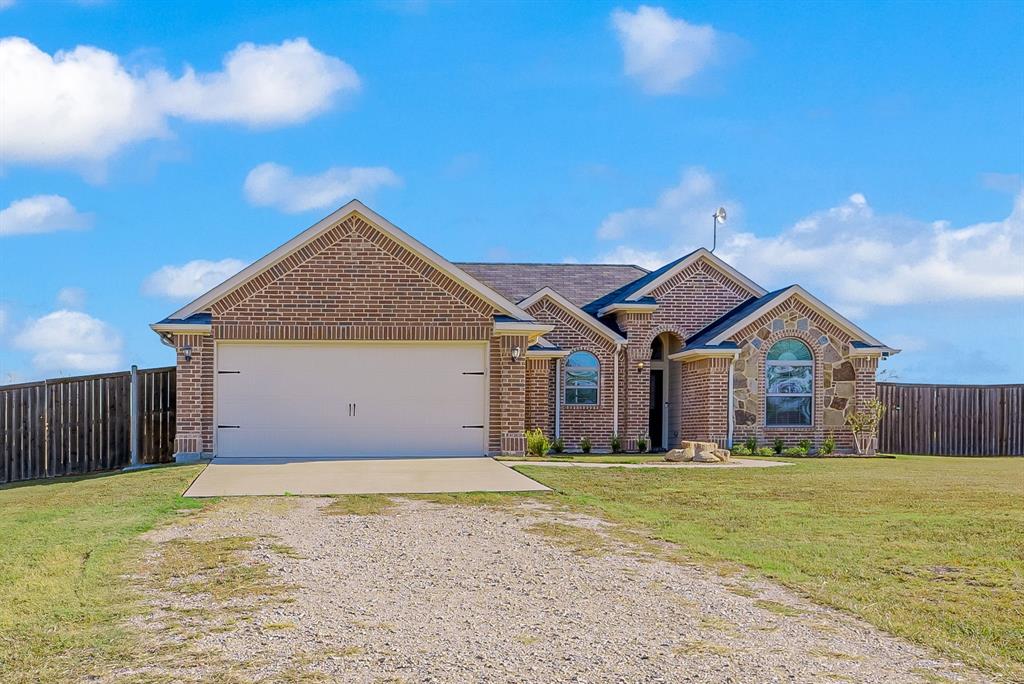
[778, 445]
[805, 444]
[764, 451]
[558, 445]
[751, 444]
[585, 445]
[741, 450]
[616, 444]
[794, 451]
[641, 444]
[829, 445]
[536, 443]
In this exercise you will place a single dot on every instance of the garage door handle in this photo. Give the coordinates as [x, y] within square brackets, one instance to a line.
[228, 427]
[472, 427]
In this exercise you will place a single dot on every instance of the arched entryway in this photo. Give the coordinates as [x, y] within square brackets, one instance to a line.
[663, 419]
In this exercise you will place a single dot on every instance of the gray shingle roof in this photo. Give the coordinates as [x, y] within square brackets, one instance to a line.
[579, 283]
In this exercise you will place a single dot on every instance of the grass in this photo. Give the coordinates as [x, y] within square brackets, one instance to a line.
[579, 540]
[358, 504]
[65, 547]
[928, 548]
[591, 458]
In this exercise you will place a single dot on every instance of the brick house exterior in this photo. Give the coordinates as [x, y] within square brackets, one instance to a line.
[355, 279]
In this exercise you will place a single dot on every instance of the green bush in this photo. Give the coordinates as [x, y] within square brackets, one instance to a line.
[641, 444]
[616, 444]
[741, 450]
[778, 445]
[558, 445]
[806, 445]
[751, 444]
[764, 451]
[829, 445]
[536, 443]
[585, 445]
[794, 451]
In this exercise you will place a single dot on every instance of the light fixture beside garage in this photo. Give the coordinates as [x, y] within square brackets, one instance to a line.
[517, 351]
[186, 351]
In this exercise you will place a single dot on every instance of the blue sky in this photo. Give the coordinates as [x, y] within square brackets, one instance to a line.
[871, 152]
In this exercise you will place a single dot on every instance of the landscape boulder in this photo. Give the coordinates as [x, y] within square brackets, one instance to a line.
[699, 452]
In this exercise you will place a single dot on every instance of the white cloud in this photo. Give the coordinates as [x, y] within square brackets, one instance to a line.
[71, 297]
[70, 341]
[852, 256]
[83, 105]
[273, 185]
[660, 51]
[190, 279]
[681, 214]
[4, 4]
[41, 214]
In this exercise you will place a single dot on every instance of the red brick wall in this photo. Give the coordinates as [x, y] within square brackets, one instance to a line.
[594, 422]
[704, 400]
[194, 395]
[538, 377]
[507, 410]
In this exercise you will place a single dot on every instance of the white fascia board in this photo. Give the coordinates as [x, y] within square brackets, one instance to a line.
[547, 353]
[812, 301]
[575, 311]
[628, 307]
[321, 226]
[874, 351]
[530, 328]
[182, 328]
[698, 354]
[715, 262]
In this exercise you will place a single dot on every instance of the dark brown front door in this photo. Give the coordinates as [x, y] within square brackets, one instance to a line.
[657, 409]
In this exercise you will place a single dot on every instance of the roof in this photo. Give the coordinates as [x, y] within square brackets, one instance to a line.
[702, 337]
[626, 289]
[576, 312]
[579, 283]
[500, 302]
[194, 319]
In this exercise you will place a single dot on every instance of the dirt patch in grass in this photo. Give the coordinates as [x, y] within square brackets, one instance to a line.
[580, 540]
[358, 504]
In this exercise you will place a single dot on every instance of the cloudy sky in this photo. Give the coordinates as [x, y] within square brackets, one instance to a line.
[873, 153]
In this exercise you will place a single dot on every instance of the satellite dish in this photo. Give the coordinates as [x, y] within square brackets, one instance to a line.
[720, 215]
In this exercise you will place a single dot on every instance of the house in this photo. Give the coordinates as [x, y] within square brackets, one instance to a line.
[353, 339]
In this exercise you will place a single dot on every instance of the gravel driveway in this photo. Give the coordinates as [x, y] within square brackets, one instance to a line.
[429, 592]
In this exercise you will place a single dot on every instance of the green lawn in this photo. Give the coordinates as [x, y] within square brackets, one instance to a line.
[591, 458]
[928, 548]
[64, 545]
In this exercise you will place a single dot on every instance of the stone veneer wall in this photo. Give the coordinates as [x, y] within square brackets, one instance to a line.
[842, 383]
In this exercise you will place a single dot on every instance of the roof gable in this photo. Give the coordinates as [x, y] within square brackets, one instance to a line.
[639, 291]
[746, 313]
[576, 312]
[309, 235]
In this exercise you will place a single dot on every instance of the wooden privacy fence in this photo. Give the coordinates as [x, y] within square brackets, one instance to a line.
[952, 420]
[83, 424]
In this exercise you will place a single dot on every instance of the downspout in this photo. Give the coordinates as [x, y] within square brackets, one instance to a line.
[558, 397]
[615, 391]
[728, 440]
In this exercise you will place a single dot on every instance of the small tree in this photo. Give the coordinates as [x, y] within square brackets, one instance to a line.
[864, 426]
[536, 443]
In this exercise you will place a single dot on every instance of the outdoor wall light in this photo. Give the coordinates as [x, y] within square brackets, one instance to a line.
[187, 351]
[640, 366]
[516, 353]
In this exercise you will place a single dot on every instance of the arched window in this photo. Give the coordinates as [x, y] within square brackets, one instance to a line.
[582, 373]
[789, 384]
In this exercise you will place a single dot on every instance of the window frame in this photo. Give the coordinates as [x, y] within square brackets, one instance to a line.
[768, 363]
[597, 380]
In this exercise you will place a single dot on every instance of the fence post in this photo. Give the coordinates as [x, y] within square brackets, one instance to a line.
[133, 402]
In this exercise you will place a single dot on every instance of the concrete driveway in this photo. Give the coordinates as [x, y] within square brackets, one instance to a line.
[379, 476]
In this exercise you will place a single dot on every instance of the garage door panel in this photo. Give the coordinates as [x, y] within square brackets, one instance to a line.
[294, 400]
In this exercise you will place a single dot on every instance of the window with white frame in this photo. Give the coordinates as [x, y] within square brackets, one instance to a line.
[789, 384]
[582, 373]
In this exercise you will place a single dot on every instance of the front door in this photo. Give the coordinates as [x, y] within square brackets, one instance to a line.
[657, 409]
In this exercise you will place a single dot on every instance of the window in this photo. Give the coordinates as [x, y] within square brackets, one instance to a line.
[789, 380]
[582, 371]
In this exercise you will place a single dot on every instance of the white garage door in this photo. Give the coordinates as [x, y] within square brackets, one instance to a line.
[350, 400]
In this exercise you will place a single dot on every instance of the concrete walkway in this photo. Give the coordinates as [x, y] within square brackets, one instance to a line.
[381, 476]
[734, 463]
